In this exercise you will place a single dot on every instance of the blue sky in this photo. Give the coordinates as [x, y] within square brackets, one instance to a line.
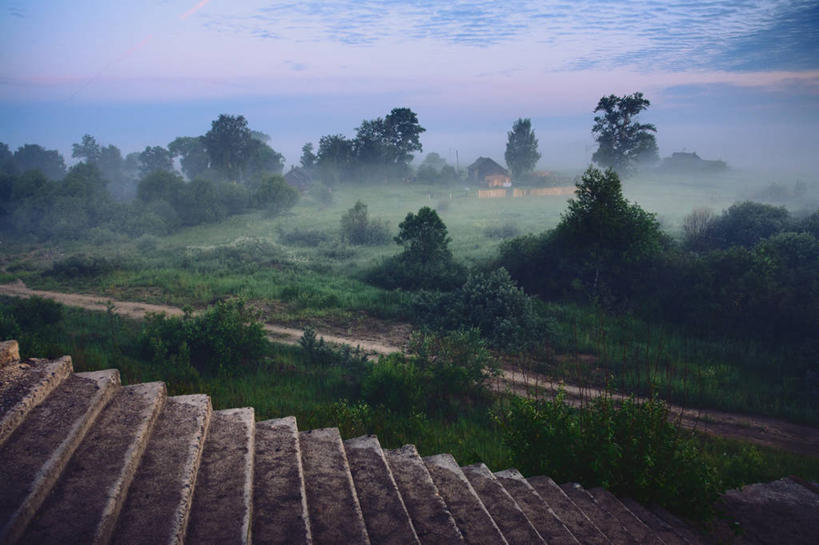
[733, 80]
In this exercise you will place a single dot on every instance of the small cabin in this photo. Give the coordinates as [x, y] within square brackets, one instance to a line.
[486, 172]
[299, 178]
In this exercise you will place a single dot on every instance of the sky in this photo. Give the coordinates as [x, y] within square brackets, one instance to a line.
[737, 81]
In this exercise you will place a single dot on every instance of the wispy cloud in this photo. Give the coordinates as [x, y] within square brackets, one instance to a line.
[676, 34]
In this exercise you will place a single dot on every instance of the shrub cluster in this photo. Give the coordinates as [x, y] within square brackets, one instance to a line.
[225, 336]
[357, 228]
[632, 449]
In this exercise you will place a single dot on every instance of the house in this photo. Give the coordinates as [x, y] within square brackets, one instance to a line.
[683, 161]
[299, 178]
[486, 172]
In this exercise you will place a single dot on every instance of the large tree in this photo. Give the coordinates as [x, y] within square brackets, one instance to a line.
[192, 153]
[521, 148]
[34, 157]
[228, 143]
[403, 134]
[622, 141]
[155, 158]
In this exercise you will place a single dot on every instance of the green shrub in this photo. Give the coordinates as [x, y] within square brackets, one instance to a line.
[321, 353]
[357, 228]
[81, 266]
[304, 237]
[632, 449]
[397, 383]
[507, 230]
[275, 195]
[490, 302]
[225, 336]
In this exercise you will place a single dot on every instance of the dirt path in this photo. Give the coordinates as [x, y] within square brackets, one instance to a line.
[761, 430]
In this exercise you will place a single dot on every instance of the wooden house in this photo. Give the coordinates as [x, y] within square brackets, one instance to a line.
[486, 172]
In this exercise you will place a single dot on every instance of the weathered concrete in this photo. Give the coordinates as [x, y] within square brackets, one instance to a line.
[504, 509]
[335, 514]
[662, 529]
[683, 530]
[280, 514]
[386, 516]
[542, 517]
[636, 527]
[24, 385]
[158, 504]
[223, 500]
[9, 352]
[469, 512]
[566, 510]
[38, 451]
[99, 474]
[783, 511]
[605, 521]
[430, 516]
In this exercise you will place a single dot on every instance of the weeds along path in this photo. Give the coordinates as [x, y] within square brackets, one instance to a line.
[761, 430]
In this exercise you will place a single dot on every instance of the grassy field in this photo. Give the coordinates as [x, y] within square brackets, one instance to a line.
[297, 268]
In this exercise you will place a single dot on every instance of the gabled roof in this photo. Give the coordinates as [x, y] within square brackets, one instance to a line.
[484, 166]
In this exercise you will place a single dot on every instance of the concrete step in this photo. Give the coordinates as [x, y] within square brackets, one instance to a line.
[386, 516]
[38, 451]
[507, 514]
[9, 352]
[682, 528]
[84, 504]
[476, 524]
[574, 518]
[335, 514]
[222, 508]
[23, 385]
[781, 511]
[542, 517]
[662, 529]
[280, 514]
[158, 504]
[605, 521]
[430, 516]
[636, 527]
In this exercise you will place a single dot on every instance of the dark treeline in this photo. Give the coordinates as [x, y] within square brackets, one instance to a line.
[228, 170]
[750, 272]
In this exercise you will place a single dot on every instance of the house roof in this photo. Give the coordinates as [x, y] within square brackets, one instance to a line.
[484, 166]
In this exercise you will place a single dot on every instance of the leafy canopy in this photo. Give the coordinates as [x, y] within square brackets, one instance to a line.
[622, 141]
[521, 148]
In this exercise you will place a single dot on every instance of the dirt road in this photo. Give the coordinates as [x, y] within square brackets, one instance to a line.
[756, 429]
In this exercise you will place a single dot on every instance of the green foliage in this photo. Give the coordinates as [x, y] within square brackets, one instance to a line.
[426, 262]
[81, 266]
[223, 338]
[193, 156]
[507, 230]
[631, 449]
[622, 142]
[602, 249]
[275, 195]
[320, 352]
[743, 224]
[34, 157]
[490, 302]
[358, 228]
[155, 158]
[521, 148]
[304, 237]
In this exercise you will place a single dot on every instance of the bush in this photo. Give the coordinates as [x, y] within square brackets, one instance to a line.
[225, 336]
[304, 237]
[426, 262]
[275, 195]
[632, 449]
[81, 266]
[746, 223]
[358, 228]
[321, 353]
[491, 303]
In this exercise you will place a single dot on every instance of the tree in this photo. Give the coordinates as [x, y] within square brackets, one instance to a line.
[622, 141]
[403, 133]
[155, 158]
[228, 143]
[334, 157]
[192, 153]
[262, 161]
[358, 228]
[424, 237]
[88, 149]
[521, 148]
[34, 157]
[308, 158]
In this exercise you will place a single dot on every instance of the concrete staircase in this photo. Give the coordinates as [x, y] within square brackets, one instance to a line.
[84, 459]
